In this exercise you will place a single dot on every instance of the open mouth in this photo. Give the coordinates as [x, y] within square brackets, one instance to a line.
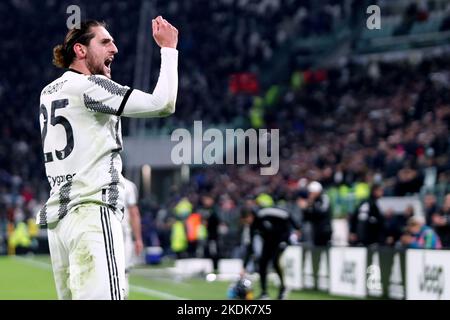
[108, 62]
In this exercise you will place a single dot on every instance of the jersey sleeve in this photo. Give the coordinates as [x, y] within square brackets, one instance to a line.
[131, 193]
[101, 94]
[161, 102]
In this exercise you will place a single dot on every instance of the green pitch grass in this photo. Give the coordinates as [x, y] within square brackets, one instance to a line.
[30, 278]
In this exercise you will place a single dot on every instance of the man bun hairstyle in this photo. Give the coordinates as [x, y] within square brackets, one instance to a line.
[63, 54]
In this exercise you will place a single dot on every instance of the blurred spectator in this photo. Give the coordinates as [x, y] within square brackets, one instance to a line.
[357, 122]
[196, 235]
[367, 226]
[408, 181]
[395, 224]
[430, 207]
[178, 238]
[209, 213]
[441, 222]
[420, 236]
[229, 216]
[316, 211]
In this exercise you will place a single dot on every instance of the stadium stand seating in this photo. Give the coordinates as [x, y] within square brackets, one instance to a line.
[357, 122]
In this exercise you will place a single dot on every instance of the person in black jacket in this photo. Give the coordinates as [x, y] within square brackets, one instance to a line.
[367, 224]
[317, 211]
[209, 213]
[275, 226]
[248, 231]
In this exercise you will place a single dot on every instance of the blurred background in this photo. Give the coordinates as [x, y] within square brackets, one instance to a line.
[357, 109]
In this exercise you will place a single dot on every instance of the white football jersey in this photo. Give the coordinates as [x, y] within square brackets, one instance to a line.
[81, 134]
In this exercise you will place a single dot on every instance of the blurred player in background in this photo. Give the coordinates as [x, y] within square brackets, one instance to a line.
[131, 225]
[274, 225]
[248, 232]
[81, 138]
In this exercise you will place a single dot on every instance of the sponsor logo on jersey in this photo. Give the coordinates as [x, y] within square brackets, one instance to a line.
[53, 87]
[61, 179]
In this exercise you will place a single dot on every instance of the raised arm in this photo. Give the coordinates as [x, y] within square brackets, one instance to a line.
[162, 101]
[101, 94]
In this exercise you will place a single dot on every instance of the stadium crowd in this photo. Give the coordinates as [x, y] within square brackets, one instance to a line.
[27, 68]
[357, 124]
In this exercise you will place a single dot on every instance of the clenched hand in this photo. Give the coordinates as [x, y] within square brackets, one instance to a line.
[164, 33]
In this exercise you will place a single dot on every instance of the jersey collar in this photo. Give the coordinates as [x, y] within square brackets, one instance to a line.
[73, 70]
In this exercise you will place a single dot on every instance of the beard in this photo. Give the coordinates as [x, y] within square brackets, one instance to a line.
[96, 65]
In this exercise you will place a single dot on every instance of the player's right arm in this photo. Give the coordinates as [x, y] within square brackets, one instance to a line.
[135, 222]
[134, 215]
[106, 96]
